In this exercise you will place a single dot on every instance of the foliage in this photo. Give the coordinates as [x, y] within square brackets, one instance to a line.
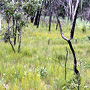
[10, 8]
[30, 7]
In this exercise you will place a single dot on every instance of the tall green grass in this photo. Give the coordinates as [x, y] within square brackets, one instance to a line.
[39, 65]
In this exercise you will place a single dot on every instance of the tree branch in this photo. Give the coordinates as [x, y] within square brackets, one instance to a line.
[74, 20]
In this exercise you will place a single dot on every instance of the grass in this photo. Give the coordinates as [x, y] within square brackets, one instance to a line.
[38, 66]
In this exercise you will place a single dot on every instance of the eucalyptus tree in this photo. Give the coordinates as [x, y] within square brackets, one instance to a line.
[30, 8]
[12, 14]
[8, 13]
[38, 13]
[71, 34]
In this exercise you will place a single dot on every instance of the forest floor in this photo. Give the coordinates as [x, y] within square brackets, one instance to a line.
[40, 65]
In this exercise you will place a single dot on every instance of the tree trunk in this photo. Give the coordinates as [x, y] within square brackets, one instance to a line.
[72, 32]
[39, 14]
[0, 20]
[15, 34]
[50, 17]
[13, 25]
[9, 38]
[36, 18]
[66, 63]
[74, 57]
[81, 9]
[32, 19]
[56, 26]
[20, 41]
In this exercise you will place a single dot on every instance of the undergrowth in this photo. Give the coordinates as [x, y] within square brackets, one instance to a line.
[39, 65]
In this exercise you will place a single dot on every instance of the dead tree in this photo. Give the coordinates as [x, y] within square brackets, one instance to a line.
[71, 35]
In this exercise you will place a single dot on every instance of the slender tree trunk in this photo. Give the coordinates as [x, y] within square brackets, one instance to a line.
[74, 20]
[74, 57]
[13, 25]
[32, 19]
[0, 20]
[9, 38]
[39, 14]
[20, 41]
[66, 63]
[70, 8]
[36, 18]
[56, 26]
[81, 8]
[50, 17]
[72, 33]
[39, 17]
[15, 34]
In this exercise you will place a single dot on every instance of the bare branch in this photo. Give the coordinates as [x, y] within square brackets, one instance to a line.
[59, 23]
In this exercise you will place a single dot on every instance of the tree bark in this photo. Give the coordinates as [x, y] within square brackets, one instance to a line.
[39, 14]
[15, 34]
[20, 41]
[13, 25]
[50, 17]
[74, 57]
[9, 38]
[36, 18]
[0, 20]
[74, 20]
[32, 19]
[66, 63]
[68, 40]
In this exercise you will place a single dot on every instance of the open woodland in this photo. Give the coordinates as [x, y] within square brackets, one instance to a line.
[52, 54]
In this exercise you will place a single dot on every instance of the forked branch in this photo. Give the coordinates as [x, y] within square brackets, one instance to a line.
[74, 20]
[72, 33]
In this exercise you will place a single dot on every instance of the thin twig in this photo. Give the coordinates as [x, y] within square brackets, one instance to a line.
[66, 62]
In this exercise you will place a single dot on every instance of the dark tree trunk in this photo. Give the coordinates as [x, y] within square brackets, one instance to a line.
[15, 34]
[32, 19]
[13, 25]
[20, 41]
[72, 33]
[36, 18]
[39, 17]
[81, 9]
[74, 20]
[50, 17]
[39, 14]
[56, 26]
[74, 57]
[9, 38]
[66, 63]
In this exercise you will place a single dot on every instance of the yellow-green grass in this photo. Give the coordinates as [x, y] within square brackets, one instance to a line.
[39, 65]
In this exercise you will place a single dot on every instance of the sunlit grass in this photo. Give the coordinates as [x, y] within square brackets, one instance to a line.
[40, 65]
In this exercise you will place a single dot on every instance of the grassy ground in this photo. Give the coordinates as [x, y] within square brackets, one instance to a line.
[39, 65]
